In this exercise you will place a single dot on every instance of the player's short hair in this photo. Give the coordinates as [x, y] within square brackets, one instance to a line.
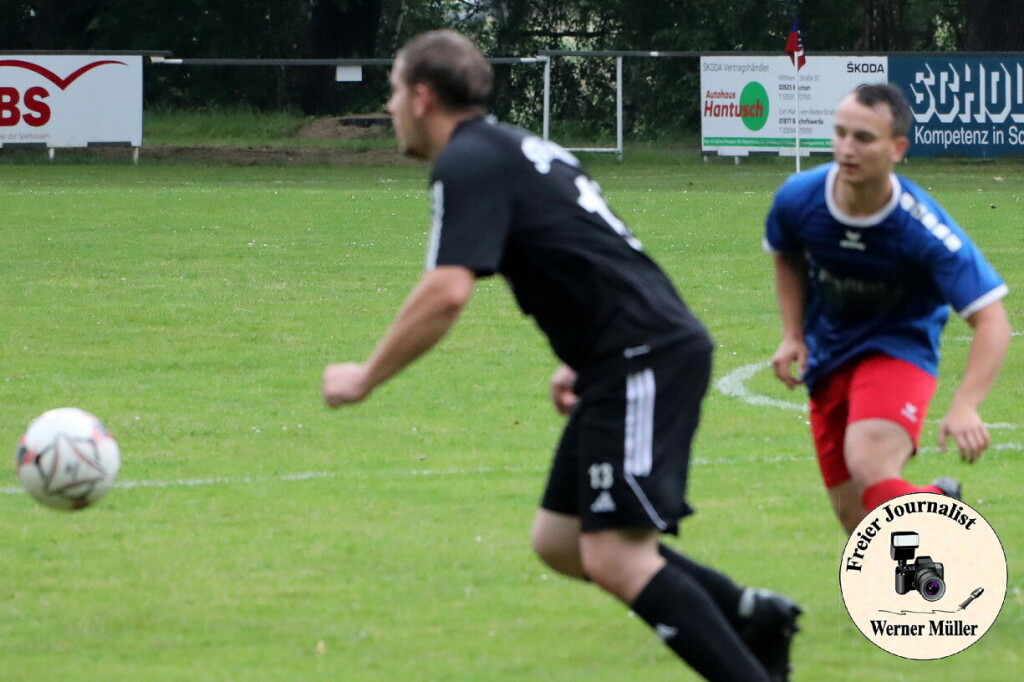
[451, 65]
[873, 94]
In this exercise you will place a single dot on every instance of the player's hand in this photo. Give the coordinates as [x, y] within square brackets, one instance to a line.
[966, 428]
[344, 384]
[790, 352]
[563, 393]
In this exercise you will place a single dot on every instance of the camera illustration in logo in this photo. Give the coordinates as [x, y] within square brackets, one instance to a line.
[924, 575]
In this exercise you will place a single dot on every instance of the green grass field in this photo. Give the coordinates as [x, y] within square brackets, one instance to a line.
[257, 535]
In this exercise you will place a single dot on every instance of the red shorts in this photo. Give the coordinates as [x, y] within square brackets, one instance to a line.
[872, 387]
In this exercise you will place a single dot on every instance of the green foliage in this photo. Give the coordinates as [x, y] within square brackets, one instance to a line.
[220, 126]
[266, 538]
[662, 93]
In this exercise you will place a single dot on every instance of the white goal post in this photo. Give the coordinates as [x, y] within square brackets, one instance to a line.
[618, 56]
[545, 57]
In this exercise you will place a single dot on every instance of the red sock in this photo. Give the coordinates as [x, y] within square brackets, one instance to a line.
[883, 491]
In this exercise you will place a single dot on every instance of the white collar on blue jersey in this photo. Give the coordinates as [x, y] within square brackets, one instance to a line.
[864, 221]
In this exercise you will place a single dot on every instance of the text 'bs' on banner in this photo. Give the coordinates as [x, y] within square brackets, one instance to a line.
[70, 100]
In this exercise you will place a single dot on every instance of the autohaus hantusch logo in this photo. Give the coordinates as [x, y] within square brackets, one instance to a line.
[751, 107]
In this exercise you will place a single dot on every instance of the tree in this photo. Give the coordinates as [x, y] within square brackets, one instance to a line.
[995, 25]
[343, 29]
[883, 25]
[900, 25]
[661, 93]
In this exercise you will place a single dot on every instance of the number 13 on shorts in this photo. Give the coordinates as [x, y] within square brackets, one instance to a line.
[601, 476]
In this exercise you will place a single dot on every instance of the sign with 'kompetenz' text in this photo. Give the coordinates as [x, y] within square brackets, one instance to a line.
[964, 106]
[70, 100]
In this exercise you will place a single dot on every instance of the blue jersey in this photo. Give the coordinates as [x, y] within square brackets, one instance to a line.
[882, 283]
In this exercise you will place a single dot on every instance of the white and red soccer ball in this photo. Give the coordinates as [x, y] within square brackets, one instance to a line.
[67, 459]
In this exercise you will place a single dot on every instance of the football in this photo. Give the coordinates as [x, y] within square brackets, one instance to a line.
[67, 459]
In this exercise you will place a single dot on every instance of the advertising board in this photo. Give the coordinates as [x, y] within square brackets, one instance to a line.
[963, 106]
[750, 104]
[70, 100]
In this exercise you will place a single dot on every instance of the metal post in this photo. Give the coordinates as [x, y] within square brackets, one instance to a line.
[618, 106]
[547, 96]
[796, 63]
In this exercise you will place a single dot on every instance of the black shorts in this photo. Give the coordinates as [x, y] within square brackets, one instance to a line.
[624, 456]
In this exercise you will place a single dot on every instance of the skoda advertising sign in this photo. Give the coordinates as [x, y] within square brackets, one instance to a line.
[964, 106]
[753, 104]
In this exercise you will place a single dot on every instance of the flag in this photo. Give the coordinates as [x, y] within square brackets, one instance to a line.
[795, 45]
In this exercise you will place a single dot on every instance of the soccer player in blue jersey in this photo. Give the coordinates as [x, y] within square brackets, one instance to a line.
[636, 361]
[867, 266]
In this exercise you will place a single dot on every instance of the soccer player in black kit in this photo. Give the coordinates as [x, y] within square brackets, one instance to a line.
[636, 360]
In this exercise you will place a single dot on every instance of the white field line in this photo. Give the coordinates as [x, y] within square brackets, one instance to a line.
[468, 471]
[732, 384]
[300, 476]
[967, 339]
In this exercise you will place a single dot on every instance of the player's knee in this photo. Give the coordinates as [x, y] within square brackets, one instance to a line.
[876, 449]
[608, 575]
[860, 465]
[557, 553]
[871, 466]
[544, 548]
[621, 573]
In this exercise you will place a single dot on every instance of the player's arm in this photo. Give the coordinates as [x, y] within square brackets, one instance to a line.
[790, 290]
[989, 344]
[428, 313]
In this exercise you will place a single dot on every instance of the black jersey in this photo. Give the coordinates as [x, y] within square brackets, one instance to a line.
[507, 201]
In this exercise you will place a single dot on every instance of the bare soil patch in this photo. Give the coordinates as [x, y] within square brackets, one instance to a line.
[357, 127]
[280, 156]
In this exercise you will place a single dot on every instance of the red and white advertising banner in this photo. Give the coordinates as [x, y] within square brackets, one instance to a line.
[70, 101]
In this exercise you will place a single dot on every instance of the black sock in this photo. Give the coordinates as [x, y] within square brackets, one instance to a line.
[686, 617]
[722, 589]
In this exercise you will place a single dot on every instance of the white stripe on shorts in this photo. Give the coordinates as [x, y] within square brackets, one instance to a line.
[639, 445]
[639, 423]
[648, 507]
